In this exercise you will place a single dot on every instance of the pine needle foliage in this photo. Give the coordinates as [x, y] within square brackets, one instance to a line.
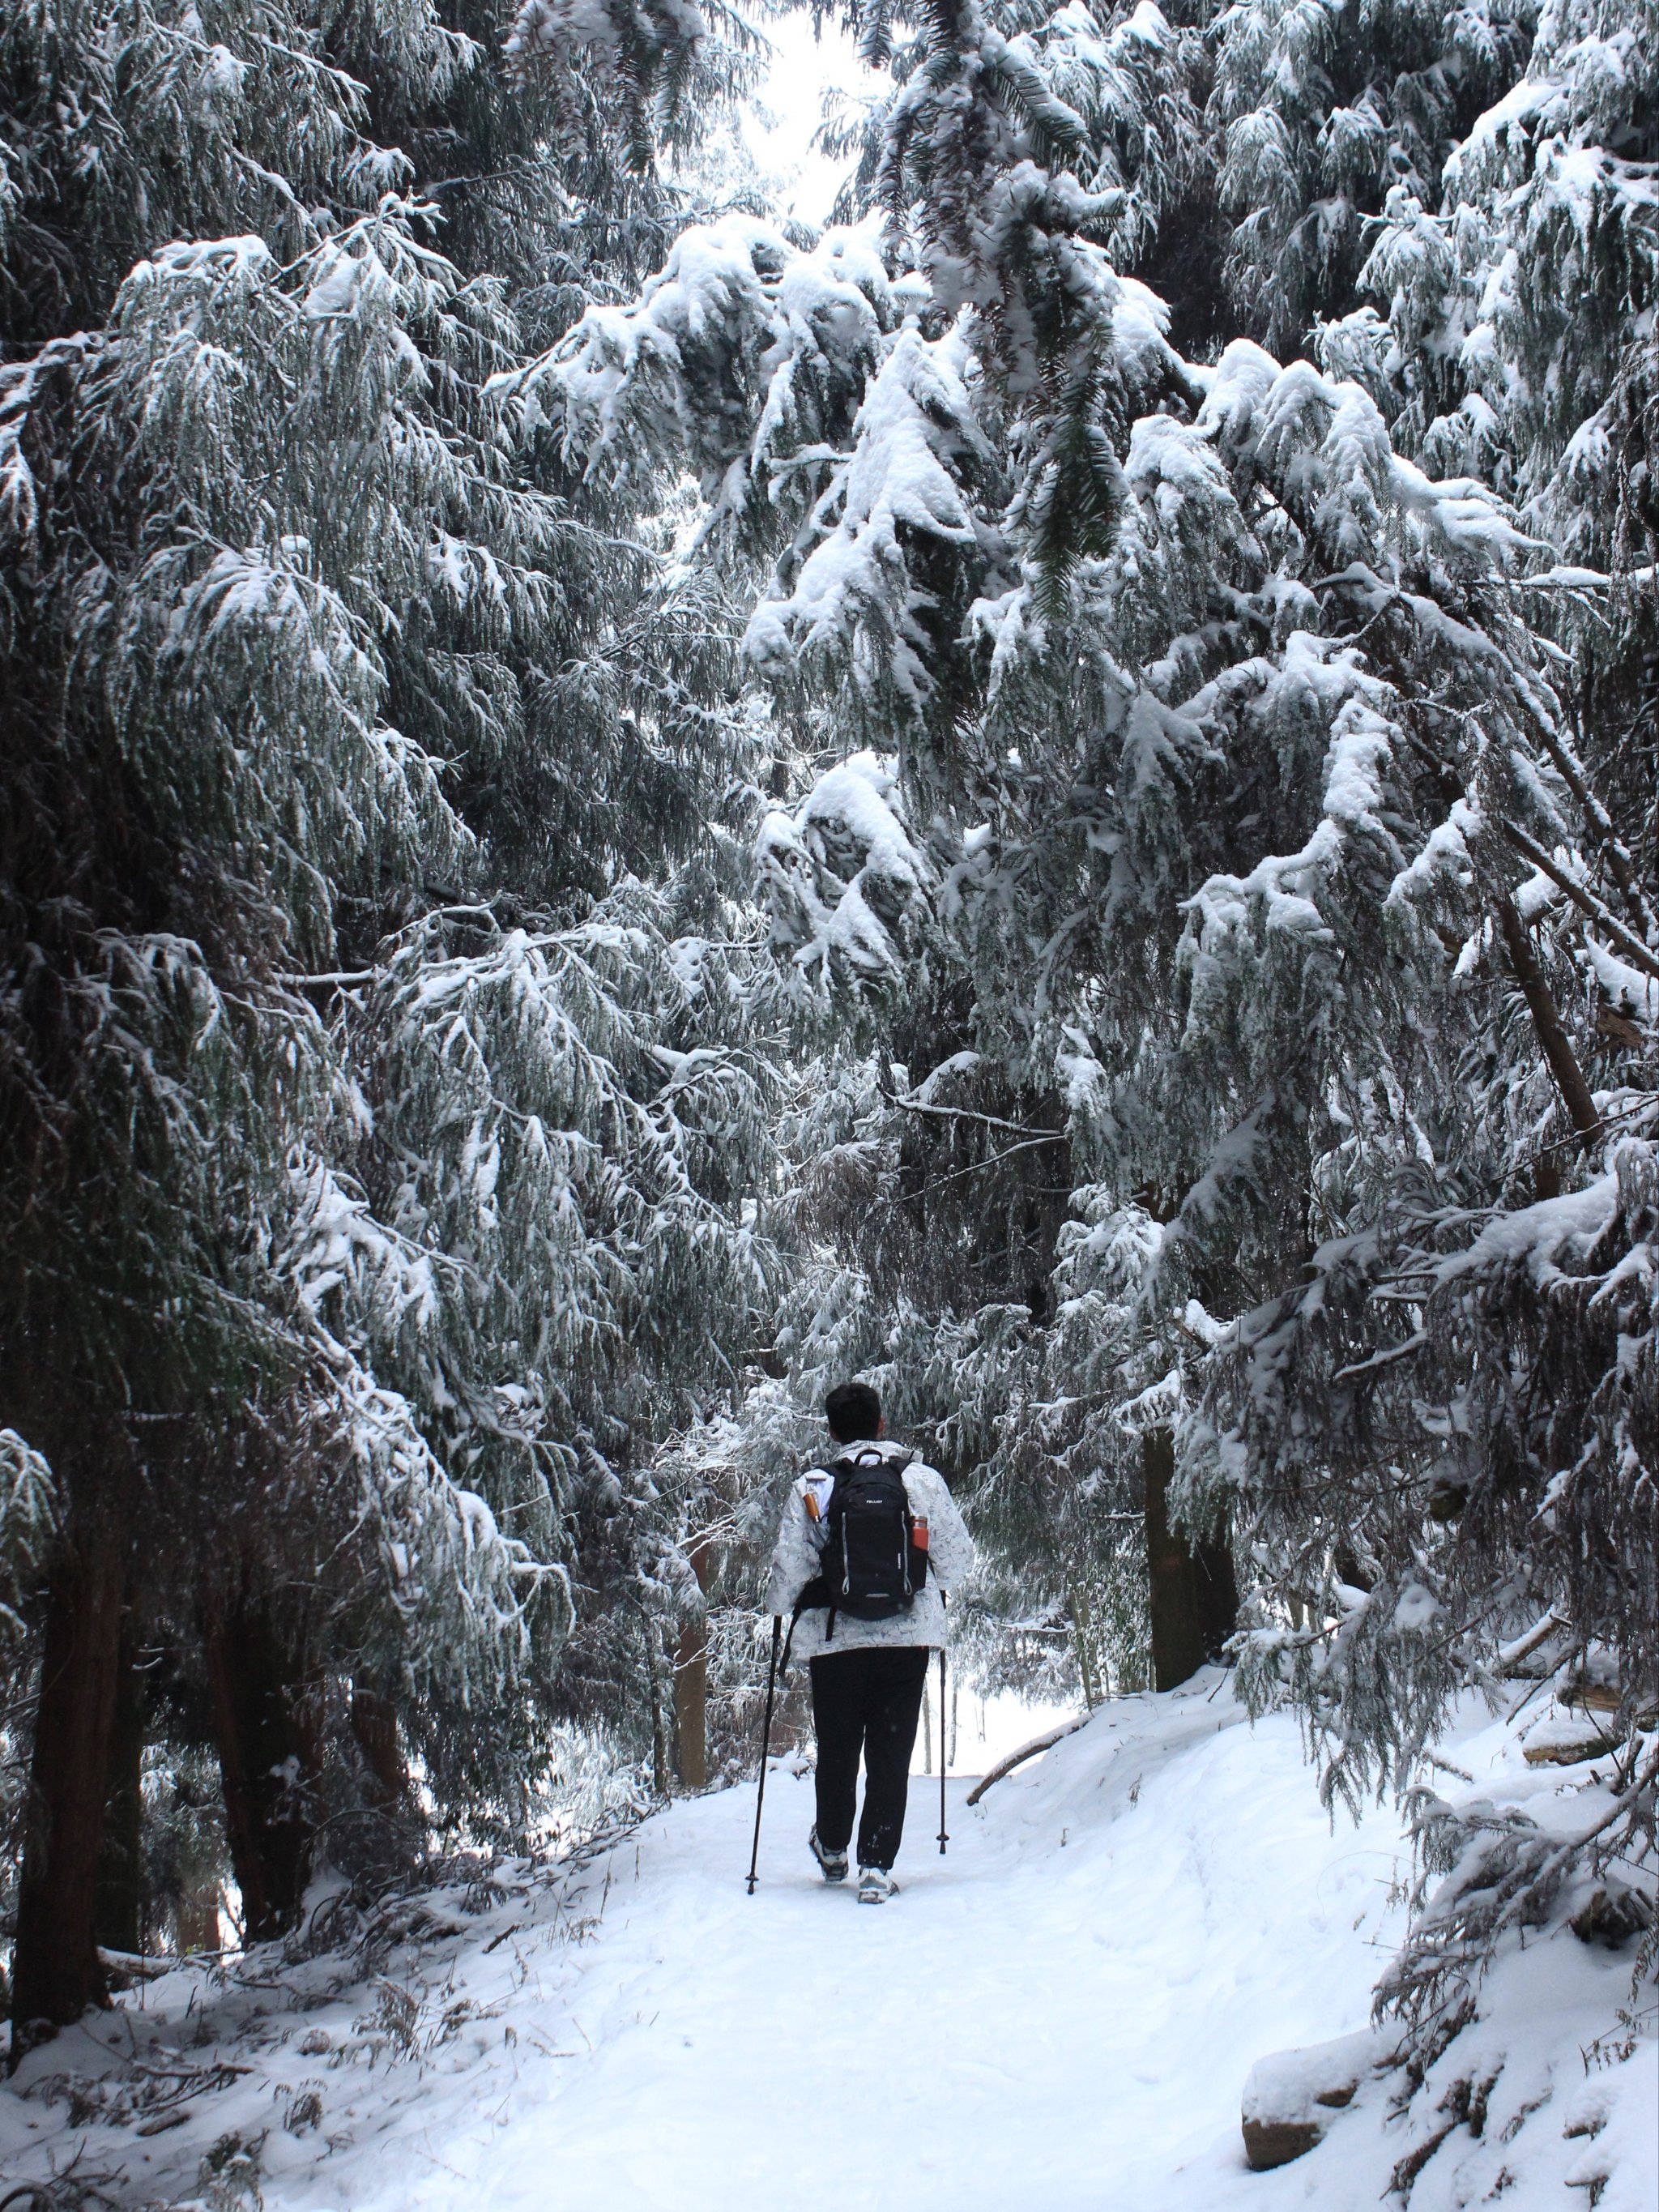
[384, 1073]
[1236, 853]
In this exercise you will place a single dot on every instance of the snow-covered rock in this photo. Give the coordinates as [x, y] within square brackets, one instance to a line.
[1290, 2097]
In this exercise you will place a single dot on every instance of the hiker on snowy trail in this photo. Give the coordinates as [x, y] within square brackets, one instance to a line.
[870, 1544]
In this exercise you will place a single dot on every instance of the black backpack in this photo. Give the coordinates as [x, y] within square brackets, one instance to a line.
[872, 1566]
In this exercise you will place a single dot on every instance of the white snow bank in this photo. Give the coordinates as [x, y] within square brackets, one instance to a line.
[1061, 2012]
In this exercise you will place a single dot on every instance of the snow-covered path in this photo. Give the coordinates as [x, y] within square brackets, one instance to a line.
[1060, 2013]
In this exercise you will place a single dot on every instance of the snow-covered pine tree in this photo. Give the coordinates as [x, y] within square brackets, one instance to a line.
[1517, 341]
[1321, 112]
[903, 535]
[165, 1055]
[318, 702]
[567, 1242]
[1515, 295]
[1272, 713]
[1480, 1330]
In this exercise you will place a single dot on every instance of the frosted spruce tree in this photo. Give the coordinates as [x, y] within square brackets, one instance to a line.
[1489, 1335]
[1230, 869]
[377, 1105]
[1321, 115]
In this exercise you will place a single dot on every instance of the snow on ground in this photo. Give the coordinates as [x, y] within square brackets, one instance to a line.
[1061, 2013]
[985, 1729]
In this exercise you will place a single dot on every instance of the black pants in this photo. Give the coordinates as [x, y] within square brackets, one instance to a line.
[866, 1701]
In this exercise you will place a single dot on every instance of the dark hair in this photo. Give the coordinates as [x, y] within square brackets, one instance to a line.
[854, 1411]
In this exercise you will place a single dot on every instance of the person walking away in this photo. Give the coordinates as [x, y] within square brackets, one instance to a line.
[870, 1546]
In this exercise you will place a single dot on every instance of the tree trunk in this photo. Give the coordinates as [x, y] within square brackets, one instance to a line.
[692, 1688]
[55, 1970]
[118, 1911]
[661, 1723]
[267, 1764]
[1552, 1039]
[1083, 1633]
[374, 1729]
[389, 1795]
[195, 1922]
[386, 1770]
[1194, 1598]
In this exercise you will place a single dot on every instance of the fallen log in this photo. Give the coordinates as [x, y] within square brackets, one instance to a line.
[125, 1967]
[1044, 1742]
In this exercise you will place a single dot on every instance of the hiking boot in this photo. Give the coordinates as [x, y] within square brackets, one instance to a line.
[831, 1864]
[876, 1885]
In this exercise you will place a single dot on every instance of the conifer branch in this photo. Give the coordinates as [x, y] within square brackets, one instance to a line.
[1547, 1022]
[1585, 901]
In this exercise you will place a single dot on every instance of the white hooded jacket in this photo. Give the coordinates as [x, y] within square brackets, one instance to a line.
[800, 1541]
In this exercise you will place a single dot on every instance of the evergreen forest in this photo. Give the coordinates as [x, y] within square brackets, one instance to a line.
[616, 807]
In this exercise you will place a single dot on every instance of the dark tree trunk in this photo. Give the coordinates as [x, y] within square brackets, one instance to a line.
[195, 1922]
[118, 1917]
[267, 1764]
[661, 1723]
[1083, 1633]
[1552, 1040]
[691, 1689]
[388, 1793]
[374, 1728]
[1194, 1597]
[55, 1974]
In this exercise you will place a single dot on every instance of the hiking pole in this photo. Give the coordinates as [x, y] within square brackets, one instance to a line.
[766, 1745]
[943, 1838]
